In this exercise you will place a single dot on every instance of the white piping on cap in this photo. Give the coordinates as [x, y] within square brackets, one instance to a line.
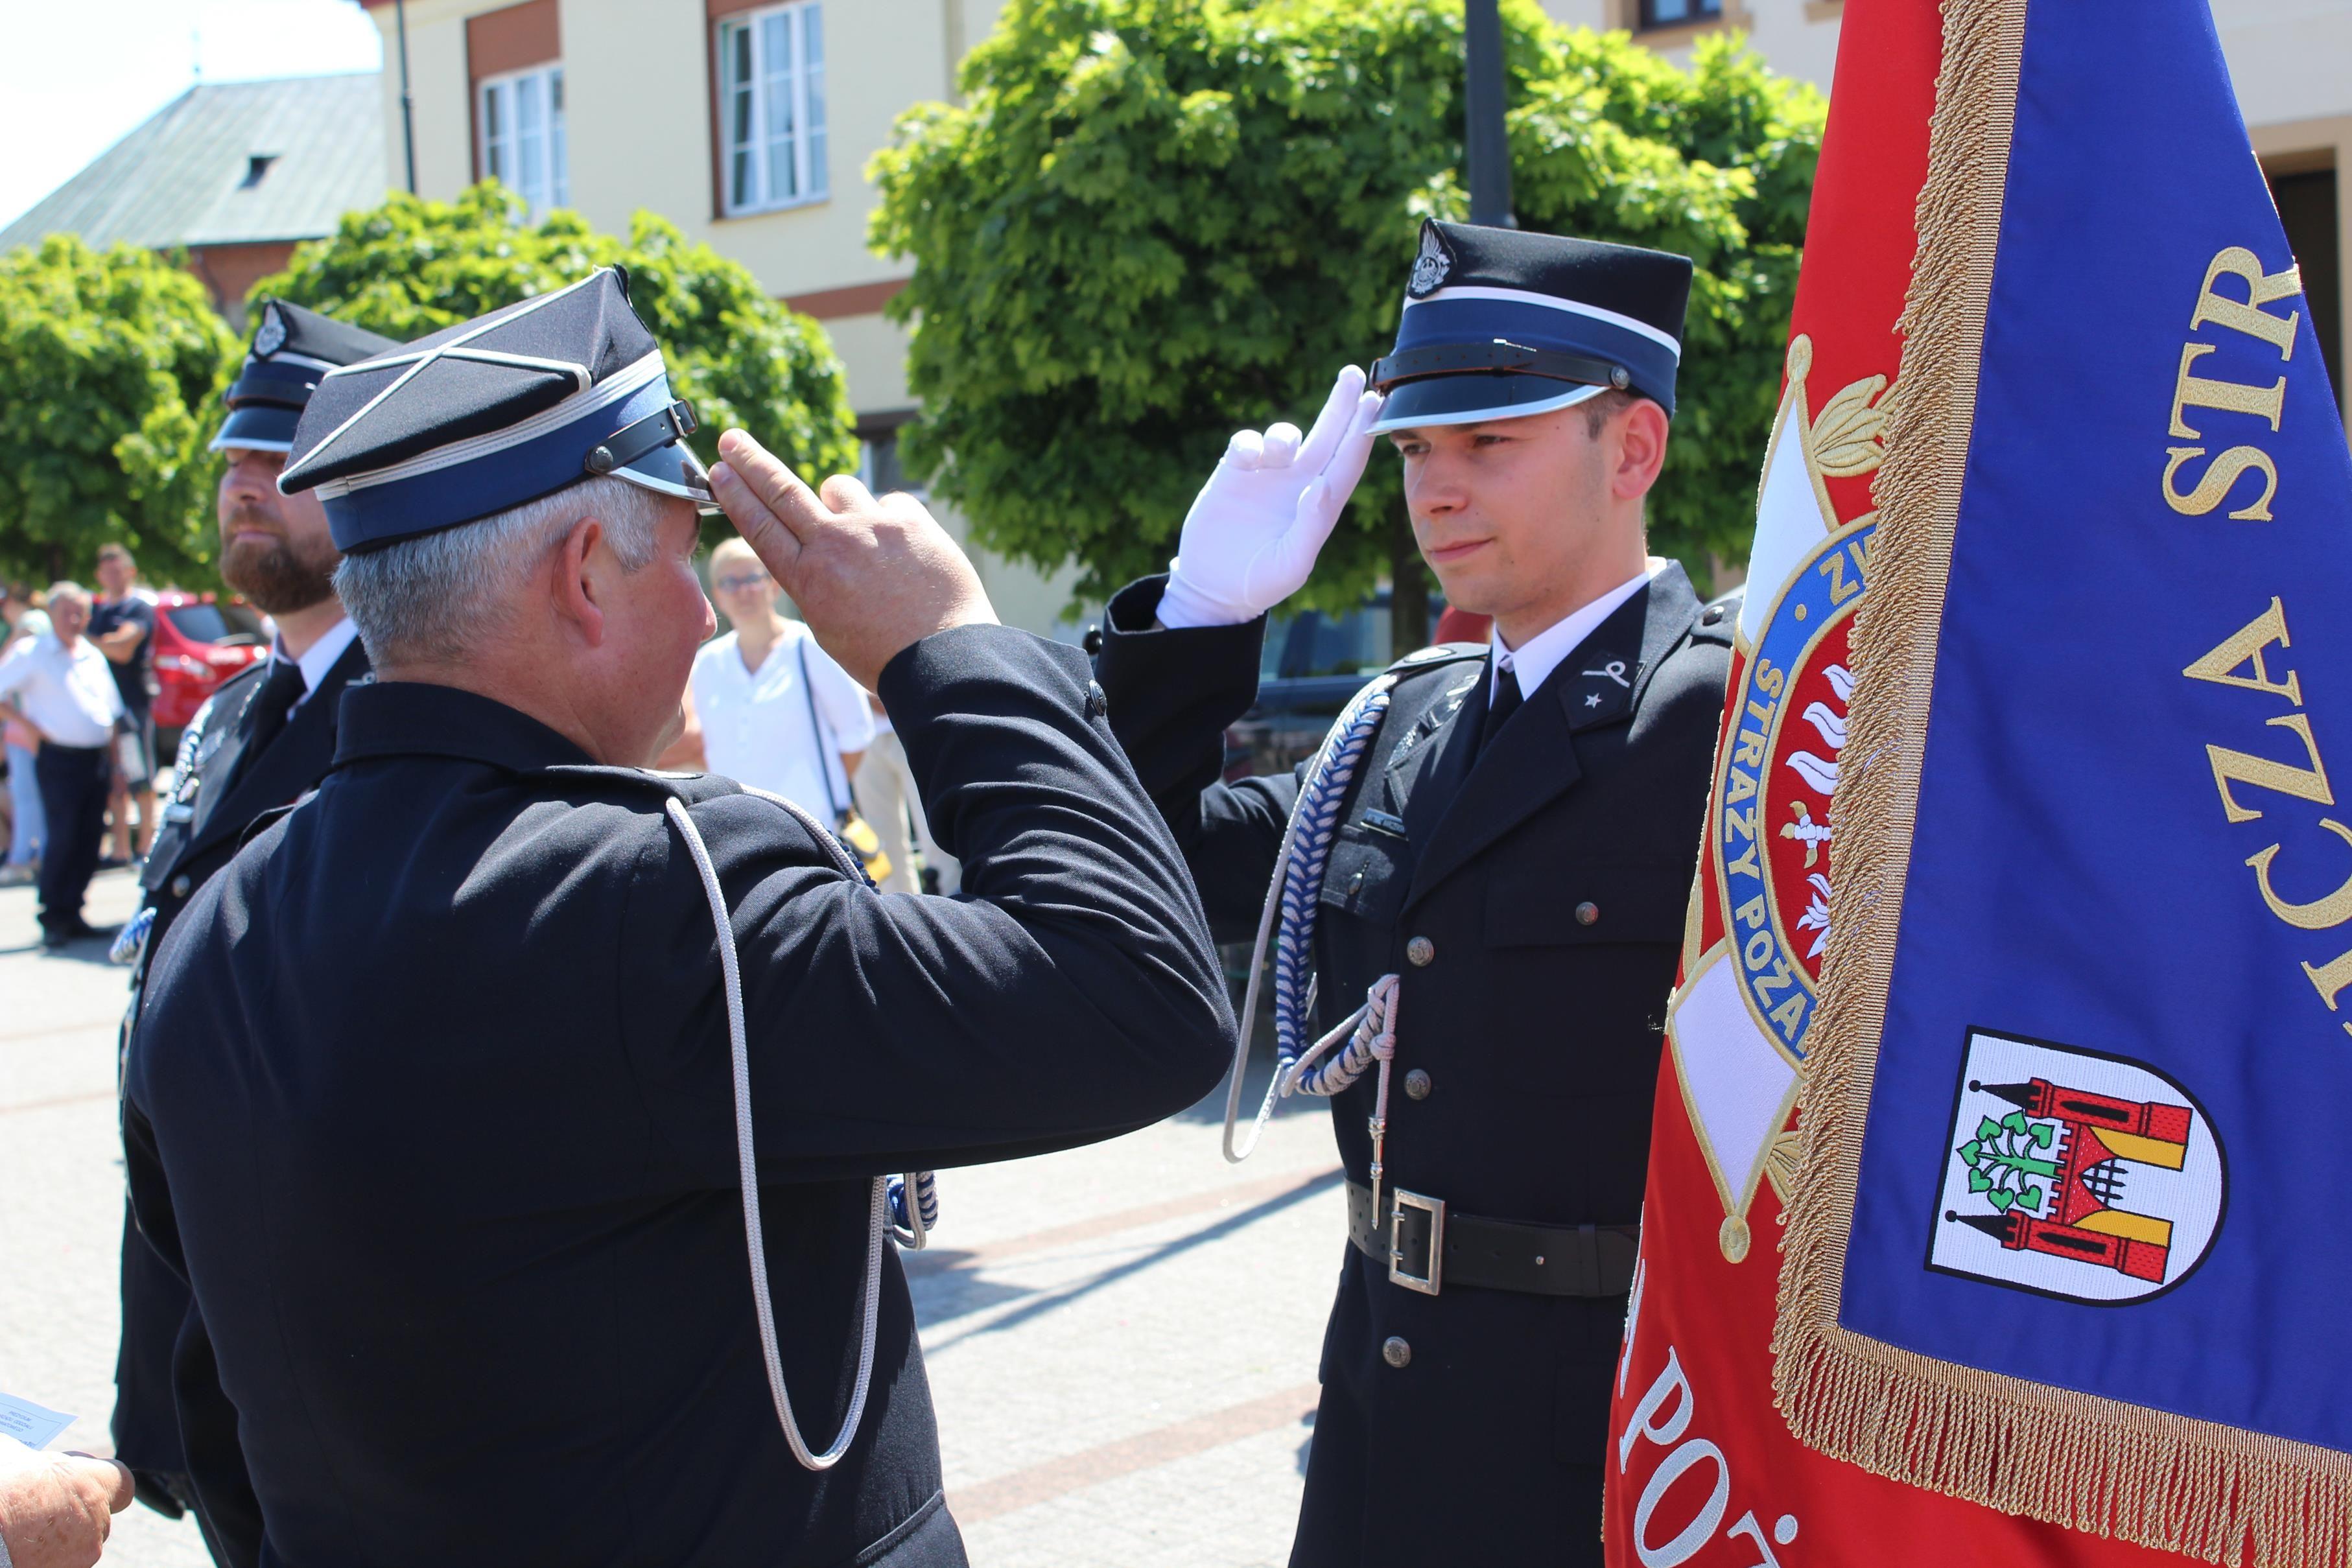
[615, 388]
[425, 357]
[1382, 425]
[1554, 302]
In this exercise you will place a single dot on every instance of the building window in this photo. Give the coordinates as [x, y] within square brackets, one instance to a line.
[878, 468]
[771, 87]
[1674, 12]
[522, 118]
[2306, 209]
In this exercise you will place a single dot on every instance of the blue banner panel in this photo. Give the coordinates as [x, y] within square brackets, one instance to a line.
[2105, 1147]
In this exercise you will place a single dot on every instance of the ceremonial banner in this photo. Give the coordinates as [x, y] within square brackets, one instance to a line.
[2065, 1235]
[1703, 1470]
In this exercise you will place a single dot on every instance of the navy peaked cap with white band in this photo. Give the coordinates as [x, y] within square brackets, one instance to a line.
[293, 349]
[482, 417]
[1501, 323]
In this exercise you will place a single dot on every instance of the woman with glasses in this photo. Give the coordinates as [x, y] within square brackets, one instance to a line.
[770, 708]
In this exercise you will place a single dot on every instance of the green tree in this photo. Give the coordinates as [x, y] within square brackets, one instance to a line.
[410, 268]
[109, 364]
[1152, 221]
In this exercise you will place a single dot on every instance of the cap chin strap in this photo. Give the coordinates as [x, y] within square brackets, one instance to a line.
[631, 442]
[1497, 355]
[921, 1211]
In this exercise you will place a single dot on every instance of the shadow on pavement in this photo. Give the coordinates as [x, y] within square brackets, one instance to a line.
[1156, 1256]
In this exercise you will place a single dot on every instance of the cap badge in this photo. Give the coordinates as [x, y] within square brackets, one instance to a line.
[1429, 267]
[272, 335]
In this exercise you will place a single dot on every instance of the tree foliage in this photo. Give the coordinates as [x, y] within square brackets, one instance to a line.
[1153, 220]
[410, 268]
[109, 364]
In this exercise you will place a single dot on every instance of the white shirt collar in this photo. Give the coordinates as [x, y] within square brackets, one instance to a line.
[319, 658]
[1532, 663]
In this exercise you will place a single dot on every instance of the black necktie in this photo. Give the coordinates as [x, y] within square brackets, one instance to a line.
[1500, 707]
[279, 694]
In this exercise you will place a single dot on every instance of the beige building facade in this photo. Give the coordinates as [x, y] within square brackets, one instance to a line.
[749, 123]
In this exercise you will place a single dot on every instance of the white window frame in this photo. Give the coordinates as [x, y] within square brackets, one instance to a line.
[535, 166]
[763, 167]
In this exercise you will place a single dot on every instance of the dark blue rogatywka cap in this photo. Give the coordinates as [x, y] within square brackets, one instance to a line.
[1503, 323]
[479, 418]
[292, 351]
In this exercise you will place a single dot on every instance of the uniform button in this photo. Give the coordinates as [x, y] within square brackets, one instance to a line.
[1419, 951]
[1093, 641]
[1416, 1085]
[181, 885]
[1587, 912]
[1395, 1351]
[1714, 613]
[1097, 704]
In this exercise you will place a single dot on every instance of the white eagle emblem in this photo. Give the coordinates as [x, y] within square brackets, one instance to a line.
[1429, 267]
[272, 335]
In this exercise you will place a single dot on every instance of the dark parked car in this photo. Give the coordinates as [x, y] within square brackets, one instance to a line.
[1312, 665]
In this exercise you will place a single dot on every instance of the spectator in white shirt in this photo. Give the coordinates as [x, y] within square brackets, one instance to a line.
[21, 620]
[62, 689]
[771, 707]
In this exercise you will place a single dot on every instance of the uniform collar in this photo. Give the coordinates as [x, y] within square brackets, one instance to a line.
[1534, 661]
[321, 656]
[412, 718]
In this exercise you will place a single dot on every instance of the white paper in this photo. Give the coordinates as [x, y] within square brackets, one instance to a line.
[30, 1424]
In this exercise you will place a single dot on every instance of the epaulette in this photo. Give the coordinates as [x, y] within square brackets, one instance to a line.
[1435, 654]
[1720, 618]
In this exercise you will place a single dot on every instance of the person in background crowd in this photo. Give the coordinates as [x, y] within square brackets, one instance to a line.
[57, 1509]
[888, 799]
[60, 688]
[22, 620]
[123, 624]
[773, 709]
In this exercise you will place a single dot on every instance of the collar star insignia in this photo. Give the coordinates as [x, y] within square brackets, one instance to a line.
[1594, 700]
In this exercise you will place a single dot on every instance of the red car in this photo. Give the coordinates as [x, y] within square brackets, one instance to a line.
[200, 641]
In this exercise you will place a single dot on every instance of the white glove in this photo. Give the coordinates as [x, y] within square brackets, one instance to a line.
[1255, 528]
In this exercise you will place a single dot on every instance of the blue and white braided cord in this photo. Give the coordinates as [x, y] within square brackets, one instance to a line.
[1320, 800]
[1297, 886]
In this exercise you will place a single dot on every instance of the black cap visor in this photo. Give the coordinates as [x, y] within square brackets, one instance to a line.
[258, 427]
[1476, 398]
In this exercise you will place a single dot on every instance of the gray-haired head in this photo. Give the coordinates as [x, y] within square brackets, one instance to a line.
[441, 597]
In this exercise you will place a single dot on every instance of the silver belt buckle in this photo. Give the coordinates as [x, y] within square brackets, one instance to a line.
[1427, 1284]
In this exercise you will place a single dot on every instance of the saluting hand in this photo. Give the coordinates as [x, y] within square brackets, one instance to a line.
[56, 1508]
[871, 576]
[1257, 525]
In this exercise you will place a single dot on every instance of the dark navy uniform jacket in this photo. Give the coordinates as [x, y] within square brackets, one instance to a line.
[1540, 1030]
[433, 1105]
[222, 785]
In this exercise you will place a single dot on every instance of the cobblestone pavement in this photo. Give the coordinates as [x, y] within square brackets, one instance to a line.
[1122, 1339]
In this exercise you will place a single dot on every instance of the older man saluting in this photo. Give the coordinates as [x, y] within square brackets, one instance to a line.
[62, 688]
[466, 1089]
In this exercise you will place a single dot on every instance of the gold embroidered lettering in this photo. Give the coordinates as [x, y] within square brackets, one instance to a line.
[2217, 481]
[2244, 767]
[2321, 912]
[2262, 288]
[2246, 645]
[2229, 397]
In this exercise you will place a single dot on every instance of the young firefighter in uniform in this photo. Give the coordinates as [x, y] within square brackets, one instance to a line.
[257, 743]
[1490, 860]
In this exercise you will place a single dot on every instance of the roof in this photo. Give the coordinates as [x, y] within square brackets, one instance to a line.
[181, 178]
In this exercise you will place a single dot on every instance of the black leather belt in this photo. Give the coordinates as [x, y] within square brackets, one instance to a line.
[1426, 1248]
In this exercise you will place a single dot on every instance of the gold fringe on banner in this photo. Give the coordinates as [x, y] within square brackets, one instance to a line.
[2220, 1493]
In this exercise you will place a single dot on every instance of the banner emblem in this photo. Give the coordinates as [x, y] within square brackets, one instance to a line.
[1773, 829]
[2075, 1175]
